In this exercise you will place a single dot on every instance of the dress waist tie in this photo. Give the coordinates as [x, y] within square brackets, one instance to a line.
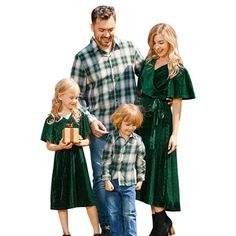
[158, 114]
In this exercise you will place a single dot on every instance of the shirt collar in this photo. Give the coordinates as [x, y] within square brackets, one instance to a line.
[117, 135]
[97, 48]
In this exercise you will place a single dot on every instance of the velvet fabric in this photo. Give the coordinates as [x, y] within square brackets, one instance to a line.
[161, 185]
[70, 186]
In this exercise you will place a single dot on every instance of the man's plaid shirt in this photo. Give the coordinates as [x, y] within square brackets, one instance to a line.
[106, 80]
[124, 159]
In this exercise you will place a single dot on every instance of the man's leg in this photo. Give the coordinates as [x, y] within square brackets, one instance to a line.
[96, 151]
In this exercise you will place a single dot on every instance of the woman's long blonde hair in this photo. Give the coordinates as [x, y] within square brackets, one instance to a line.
[170, 36]
[61, 87]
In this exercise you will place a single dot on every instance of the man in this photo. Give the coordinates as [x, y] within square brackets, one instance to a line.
[105, 71]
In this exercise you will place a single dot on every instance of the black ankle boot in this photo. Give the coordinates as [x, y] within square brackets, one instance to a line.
[153, 232]
[164, 225]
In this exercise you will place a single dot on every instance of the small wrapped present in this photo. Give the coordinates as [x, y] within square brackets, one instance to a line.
[70, 134]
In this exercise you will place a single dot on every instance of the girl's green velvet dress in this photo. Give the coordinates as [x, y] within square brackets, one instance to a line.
[70, 185]
[161, 186]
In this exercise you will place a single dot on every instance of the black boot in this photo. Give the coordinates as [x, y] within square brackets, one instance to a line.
[164, 224]
[153, 232]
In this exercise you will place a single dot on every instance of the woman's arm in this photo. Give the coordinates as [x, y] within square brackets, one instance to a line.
[176, 113]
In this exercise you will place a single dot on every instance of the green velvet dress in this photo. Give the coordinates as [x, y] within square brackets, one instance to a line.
[70, 186]
[161, 186]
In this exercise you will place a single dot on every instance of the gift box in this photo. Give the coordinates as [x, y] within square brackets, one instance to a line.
[70, 135]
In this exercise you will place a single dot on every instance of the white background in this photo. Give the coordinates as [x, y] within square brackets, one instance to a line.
[37, 46]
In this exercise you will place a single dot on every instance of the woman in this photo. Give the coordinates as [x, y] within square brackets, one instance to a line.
[163, 77]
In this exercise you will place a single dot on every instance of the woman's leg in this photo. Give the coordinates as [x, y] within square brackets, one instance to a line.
[162, 223]
[156, 209]
[93, 217]
[63, 215]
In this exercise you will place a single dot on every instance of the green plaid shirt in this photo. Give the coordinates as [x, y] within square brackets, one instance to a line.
[106, 80]
[124, 160]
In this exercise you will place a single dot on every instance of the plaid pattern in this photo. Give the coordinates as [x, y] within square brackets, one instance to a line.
[123, 160]
[106, 80]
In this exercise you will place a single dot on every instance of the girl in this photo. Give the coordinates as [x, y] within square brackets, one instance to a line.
[163, 77]
[70, 185]
[123, 169]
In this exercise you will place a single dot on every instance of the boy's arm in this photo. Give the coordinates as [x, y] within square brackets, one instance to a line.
[140, 162]
[107, 160]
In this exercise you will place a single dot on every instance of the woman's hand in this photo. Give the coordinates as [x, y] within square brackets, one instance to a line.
[109, 186]
[172, 144]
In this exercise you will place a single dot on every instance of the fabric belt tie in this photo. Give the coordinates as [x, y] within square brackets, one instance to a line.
[158, 114]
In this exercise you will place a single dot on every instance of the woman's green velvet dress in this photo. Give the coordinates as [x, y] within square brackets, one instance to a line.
[70, 186]
[161, 186]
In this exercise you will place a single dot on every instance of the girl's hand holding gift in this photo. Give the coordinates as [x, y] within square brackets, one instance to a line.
[63, 145]
[82, 142]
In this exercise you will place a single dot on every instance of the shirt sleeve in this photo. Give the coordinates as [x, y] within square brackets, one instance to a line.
[107, 159]
[140, 162]
[78, 73]
[139, 60]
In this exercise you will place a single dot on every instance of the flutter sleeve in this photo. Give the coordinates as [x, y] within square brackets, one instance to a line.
[181, 86]
[48, 130]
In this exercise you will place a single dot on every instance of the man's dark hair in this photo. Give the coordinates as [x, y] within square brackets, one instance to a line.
[103, 12]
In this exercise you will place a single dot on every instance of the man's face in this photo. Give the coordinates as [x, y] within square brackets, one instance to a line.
[104, 33]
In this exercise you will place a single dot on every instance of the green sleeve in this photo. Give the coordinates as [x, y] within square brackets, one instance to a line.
[85, 130]
[181, 86]
[48, 130]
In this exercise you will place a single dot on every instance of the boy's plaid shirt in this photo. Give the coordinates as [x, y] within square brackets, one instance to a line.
[106, 80]
[124, 160]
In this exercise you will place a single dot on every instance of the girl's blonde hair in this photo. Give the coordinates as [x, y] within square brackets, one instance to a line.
[128, 113]
[170, 36]
[61, 87]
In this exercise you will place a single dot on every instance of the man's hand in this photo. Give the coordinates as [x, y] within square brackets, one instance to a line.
[98, 129]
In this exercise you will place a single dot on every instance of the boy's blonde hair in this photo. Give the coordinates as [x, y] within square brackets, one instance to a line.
[128, 113]
[61, 87]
